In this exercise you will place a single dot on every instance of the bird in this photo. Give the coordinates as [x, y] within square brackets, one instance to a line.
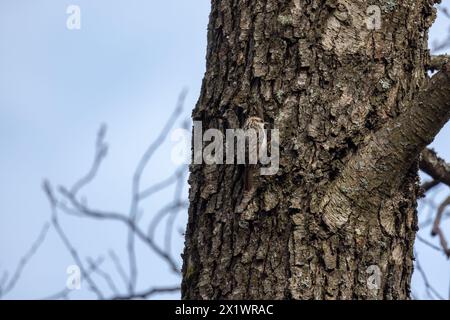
[255, 149]
[253, 127]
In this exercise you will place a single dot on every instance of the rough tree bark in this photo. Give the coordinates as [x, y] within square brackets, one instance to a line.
[355, 108]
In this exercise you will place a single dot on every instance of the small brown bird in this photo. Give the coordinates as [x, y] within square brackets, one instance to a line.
[255, 149]
[257, 124]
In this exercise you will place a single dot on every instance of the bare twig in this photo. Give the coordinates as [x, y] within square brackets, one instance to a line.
[3, 281]
[178, 195]
[148, 293]
[64, 293]
[24, 261]
[437, 231]
[428, 287]
[66, 241]
[427, 186]
[163, 184]
[119, 217]
[444, 10]
[431, 213]
[444, 44]
[100, 153]
[429, 244]
[109, 281]
[118, 265]
[136, 186]
[439, 170]
[168, 209]
[67, 200]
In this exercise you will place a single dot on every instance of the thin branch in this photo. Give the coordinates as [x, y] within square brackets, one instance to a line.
[136, 186]
[178, 194]
[101, 151]
[444, 10]
[73, 252]
[429, 288]
[427, 186]
[429, 244]
[109, 281]
[148, 293]
[430, 220]
[169, 208]
[118, 265]
[64, 293]
[162, 184]
[25, 259]
[438, 46]
[79, 208]
[437, 231]
[3, 281]
[434, 166]
[429, 214]
[123, 219]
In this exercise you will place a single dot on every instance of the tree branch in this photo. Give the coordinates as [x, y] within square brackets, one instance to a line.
[108, 279]
[81, 208]
[428, 287]
[101, 149]
[438, 61]
[427, 186]
[435, 167]
[389, 153]
[437, 231]
[148, 293]
[136, 187]
[23, 262]
[118, 265]
[429, 244]
[67, 243]
[64, 293]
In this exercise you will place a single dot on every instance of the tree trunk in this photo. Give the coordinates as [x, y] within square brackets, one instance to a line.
[343, 205]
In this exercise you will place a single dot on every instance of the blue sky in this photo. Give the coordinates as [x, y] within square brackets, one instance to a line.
[125, 68]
